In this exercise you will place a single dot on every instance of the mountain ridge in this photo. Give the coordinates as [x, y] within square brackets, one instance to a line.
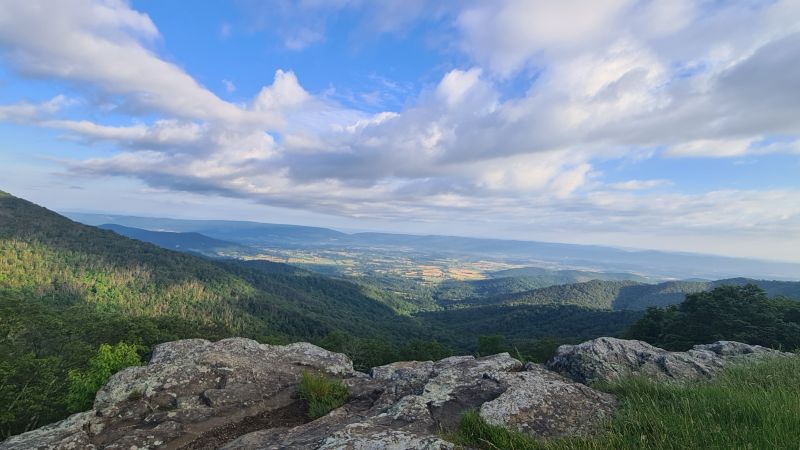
[651, 262]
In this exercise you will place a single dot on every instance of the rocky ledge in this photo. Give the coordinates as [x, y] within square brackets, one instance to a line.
[609, 359]
[239, 394]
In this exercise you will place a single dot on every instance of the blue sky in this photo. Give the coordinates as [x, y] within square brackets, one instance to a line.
[638, 123]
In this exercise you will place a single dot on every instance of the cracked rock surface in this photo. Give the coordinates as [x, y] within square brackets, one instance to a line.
[609, 359]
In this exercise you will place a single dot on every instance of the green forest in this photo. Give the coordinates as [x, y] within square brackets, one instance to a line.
[78, 302]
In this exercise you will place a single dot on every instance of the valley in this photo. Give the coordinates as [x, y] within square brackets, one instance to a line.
[67, 288]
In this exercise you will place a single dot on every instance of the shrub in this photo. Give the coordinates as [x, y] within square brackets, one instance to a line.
[83, 385]
[322, 394]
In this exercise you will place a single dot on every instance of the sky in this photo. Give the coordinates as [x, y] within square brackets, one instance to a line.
[638, 123]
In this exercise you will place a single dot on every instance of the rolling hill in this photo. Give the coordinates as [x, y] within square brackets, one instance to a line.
[190, 242]
[626, 295]
[50, 258]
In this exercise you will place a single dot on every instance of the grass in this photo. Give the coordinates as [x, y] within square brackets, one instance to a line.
[322, 394]
[753, 406]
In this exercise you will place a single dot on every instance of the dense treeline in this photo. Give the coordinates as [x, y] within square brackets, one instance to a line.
[626, 295]
[455, 293]
[41, 342]
[736, 313]
[526, 323]
[591, 294]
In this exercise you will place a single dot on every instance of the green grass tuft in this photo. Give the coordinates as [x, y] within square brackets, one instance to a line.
[750, 406]
[322, 394]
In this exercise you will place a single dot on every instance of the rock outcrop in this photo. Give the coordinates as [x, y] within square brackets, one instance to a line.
[237, 394]
[609, 359]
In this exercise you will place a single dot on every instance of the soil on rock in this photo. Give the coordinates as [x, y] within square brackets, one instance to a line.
[287, 417]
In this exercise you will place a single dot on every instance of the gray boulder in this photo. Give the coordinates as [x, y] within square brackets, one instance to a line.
[609, 359]
[542, 403]
[189, 389]
[409, 403]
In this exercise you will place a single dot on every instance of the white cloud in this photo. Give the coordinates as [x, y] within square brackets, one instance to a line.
[711, 147]
[103, 43]
[614, 78]
[26, 111]
[510, 35]
[638, 185]
[284, 92]
[456, 84]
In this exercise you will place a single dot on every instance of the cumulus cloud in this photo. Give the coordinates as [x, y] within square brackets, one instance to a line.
[104, 44]
[602, 80]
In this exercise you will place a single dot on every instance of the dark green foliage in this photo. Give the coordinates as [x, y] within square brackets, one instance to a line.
[622, 295]
[31, 391]
[322, 394]
[365, 352]
[455, 293]
[540, 350]
[643, 296]
[591, 294]
[83, 384]
[491, 345]
[424, 350]
[458, 328]
[41, 342]
[738, 313]
[753, 406]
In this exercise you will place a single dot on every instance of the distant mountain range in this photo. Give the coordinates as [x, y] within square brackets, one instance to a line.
[181, 241]
[656, 264]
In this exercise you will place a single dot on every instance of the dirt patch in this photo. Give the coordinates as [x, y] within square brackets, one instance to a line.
[287, 417]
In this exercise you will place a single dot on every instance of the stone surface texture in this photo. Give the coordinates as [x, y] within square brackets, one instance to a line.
[609, 359]
[238, 394]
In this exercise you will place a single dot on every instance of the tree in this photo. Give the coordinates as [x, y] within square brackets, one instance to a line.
[83, 385]
[491, 345]
[735, 313]
[422, 350]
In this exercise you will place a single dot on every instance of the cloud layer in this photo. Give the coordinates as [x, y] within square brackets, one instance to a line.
[601, 80]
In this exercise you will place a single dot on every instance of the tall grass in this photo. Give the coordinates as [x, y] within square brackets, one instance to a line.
[752, 406]
[322, 394]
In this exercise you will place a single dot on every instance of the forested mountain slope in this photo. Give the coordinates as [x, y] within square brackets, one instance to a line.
[66, 288]
[50, 258]
[628, 295]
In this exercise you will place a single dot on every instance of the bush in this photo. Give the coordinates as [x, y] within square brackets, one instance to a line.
[83, 385]
[754, 406]
[322, 394]
[732, 313]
